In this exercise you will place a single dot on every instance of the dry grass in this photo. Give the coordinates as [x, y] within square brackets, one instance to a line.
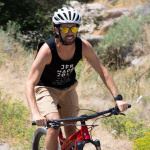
[14, 65]
[121, 3]
[146, 38]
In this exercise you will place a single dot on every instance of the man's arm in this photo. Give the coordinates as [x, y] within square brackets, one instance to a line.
[43, 58]
[92, 58]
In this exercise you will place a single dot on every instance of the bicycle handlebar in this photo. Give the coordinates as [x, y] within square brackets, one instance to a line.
[112, 111]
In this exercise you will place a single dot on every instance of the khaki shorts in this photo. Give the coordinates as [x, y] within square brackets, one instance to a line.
[48, 99]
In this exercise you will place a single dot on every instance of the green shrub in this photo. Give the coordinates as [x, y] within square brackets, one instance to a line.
[9, 46]
[128, 126]
[119, 41]
[142, 143]
[78, 69]
[14, 123]
[13, 31]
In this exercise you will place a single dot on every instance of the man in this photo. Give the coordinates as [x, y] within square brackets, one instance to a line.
[51, 81]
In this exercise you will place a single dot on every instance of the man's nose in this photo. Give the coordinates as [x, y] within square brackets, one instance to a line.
[69, 32]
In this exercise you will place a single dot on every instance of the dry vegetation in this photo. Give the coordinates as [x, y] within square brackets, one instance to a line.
[121, 3]
[132, 82]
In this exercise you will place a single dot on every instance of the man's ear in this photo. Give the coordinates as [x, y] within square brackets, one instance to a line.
[57, 30]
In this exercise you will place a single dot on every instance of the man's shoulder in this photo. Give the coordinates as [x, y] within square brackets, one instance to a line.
[50, 40]
[87, 48]
[85, 43]
[45, 49]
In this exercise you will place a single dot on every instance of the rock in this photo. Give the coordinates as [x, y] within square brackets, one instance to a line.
[75, 4]
[95, 6]
[146, 9]
[113, 16]
[4, 146]
[7, 48]
[89, 28]
[93, 39]
[106, 25]
[115, 13]
[142, 10]
[137, 61]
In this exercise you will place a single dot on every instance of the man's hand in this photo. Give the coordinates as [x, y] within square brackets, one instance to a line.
[40, 120]
[122, 105]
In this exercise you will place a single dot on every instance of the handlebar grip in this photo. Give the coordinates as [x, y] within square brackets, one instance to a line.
[129, 105]
[33, 123]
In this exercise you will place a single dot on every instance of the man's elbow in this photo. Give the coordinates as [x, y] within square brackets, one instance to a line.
[28, 85]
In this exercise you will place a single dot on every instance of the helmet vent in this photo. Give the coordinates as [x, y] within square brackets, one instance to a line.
[77, 17]
[69, 15]
[56, 18]
[74, 16]
[60, 17]
[65, 16]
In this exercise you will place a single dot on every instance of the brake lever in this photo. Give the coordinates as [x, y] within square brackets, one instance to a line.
[55, 125]
[117, 111]
[122, 114]
[113, 111]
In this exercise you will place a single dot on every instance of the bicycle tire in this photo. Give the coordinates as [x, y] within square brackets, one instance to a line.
[39, 132]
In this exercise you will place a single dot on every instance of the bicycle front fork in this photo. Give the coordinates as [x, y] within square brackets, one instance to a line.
[96, 143]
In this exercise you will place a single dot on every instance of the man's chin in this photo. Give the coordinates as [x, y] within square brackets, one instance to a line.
[69, 42]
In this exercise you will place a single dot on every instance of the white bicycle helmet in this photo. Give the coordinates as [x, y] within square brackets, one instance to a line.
[66, 15]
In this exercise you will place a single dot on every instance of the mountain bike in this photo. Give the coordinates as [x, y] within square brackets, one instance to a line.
[80, 138]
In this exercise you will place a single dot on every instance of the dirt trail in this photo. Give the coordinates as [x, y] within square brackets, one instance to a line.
[12, 82]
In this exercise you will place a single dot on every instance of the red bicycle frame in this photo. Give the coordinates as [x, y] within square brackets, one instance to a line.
[78, 137]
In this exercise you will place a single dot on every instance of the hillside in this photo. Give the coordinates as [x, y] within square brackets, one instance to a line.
[12, 82]
[133, 81]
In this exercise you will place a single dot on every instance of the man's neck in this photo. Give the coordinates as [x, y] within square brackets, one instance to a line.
[60, 46]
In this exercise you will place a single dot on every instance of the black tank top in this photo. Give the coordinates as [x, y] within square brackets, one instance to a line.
[59, 73]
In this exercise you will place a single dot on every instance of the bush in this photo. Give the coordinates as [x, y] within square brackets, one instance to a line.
[142, 143]
[31, 16]
[78, 69]
[118, 43]
[128, 126]
[14, 123]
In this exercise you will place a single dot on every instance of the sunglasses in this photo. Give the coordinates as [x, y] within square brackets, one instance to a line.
[66, 29]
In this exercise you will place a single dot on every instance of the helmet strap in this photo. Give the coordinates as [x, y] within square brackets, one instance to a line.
[60, 38]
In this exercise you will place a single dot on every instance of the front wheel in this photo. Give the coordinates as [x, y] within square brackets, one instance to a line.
[38, 142]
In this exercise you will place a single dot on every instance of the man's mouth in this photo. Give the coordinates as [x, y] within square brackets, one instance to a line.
[69, 38]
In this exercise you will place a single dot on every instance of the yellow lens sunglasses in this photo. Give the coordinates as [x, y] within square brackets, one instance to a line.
[66, 29]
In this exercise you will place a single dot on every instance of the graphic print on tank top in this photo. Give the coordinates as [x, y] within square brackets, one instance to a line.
[63, 74]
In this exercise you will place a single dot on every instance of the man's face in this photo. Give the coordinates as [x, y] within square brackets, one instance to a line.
[68, 36]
